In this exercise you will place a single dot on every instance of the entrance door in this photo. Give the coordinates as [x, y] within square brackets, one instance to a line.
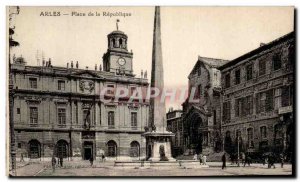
[87, 153]
[88, 150]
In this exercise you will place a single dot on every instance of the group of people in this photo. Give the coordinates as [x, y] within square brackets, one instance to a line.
[246, 159]
[60, 160]
[201, 158]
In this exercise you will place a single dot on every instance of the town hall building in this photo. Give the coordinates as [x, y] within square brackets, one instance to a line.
[58, 110]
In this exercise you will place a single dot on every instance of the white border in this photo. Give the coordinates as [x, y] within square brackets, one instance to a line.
[5, 3]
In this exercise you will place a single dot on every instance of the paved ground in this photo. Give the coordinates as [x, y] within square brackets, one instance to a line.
[166, 172]
[42, 169]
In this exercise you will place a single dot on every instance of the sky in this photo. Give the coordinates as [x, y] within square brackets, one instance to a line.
[217, 32]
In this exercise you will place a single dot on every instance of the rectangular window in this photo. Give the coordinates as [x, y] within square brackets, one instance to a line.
[263, 132]
[61, 114]
[265, 101]
[110, 89]
[132, 90]
[33, 82]
[249, 71]
[227, 80]
[61, 85]
[226, 112]
[111, 119]
[276, 62]
[134, 120]
[19, 145]
[33, 115]
[18, 111]
[238, 76]
[250, 137]
[269, 100]
[262, 67]
[286, 96]
[237, 107]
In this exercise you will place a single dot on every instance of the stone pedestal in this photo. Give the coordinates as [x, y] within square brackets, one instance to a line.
[159, 146]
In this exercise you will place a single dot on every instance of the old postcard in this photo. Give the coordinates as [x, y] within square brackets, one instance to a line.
[150, 91]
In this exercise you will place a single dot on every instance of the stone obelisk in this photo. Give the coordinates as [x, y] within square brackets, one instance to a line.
[157, 138]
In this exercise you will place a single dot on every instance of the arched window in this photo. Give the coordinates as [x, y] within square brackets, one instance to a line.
[111, 148]
[120, 42]
[62, 149]
[114, 42]
[134, 149]
[34, 149]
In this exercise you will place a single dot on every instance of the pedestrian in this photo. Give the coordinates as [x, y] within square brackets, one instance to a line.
[282, 159]
[204, 159]
[103, 157]
[243, 156]
[91, 160]
[22, 158]
[61, 160]
[248, 160]
[53, 163]
[195, 157]
[271, 161]
[223, 161]
[201, 159]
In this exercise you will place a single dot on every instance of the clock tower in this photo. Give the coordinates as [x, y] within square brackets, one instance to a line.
[117, 59]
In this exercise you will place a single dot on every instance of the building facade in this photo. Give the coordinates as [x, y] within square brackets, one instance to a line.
[175, 125]
[59, 111]
[257, 99]
[202, 117]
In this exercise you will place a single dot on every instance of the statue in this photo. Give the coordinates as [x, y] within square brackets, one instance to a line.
[87, 120]
[72, 64]
[145, 75]
[77, 64]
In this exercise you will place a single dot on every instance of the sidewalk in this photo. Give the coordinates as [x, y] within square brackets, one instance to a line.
[258, 165]
[29, 169]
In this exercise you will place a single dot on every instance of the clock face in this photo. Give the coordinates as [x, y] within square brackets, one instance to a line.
[121, 61]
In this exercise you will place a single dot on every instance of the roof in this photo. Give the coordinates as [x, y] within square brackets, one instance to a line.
[212, 62]
[117, 32]
[264, 47]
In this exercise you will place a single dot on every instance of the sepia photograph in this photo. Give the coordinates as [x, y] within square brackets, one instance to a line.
[150, 91]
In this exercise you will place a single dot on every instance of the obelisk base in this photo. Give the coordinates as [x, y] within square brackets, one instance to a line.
[159, 146]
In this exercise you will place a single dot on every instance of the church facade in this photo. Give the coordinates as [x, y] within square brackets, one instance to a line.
[58, 110]
[202, 117]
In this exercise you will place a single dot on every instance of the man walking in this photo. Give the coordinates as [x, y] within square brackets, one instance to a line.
[204, 159]
[91, 160]
[53, 163]
[282, 159]
[223, 161]
[103, 157]
[61, 160]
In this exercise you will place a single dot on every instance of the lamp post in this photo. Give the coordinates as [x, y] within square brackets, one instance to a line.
[238, 158]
